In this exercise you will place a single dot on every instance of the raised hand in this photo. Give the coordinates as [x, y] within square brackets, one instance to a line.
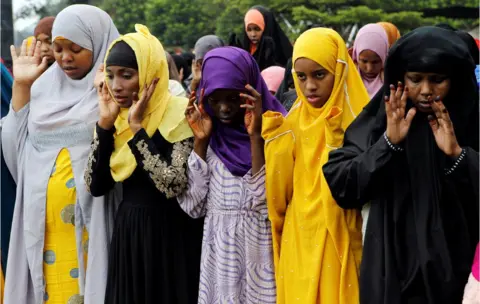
[29, 65]
[254, 111]
[397, 123]
[443, 130]
[99, 77]
[109, 109]
[136, 111]
[199, 121]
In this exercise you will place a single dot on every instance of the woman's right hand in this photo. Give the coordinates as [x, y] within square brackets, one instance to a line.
[109, 109]
[199, 121]
[29, 65]
[397, 123]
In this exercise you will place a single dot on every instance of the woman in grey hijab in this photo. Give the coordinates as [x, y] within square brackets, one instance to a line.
[203, 45]
[46, 140]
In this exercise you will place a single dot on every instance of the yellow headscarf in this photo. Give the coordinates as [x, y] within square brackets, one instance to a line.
[313, 232]
[164, 112]
[392, 31]
[29, 41]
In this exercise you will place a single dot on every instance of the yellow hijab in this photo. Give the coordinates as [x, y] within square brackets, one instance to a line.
[29, 41]
[164, 112]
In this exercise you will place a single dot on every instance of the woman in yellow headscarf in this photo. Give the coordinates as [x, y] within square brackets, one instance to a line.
[317, 245]
[143, 141]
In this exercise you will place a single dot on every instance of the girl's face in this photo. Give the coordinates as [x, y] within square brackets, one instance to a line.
[369, 63]
[75, 61]
[254, 33]
[315, 82]
[123, 82]
[46, 48]
[225, 105]
[423, 88]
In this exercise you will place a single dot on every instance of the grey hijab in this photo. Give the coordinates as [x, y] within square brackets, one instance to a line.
[205, 44]
[61, 114]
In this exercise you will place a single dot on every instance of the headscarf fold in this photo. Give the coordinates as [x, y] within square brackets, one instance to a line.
[392, 32]
[164, 112]
[371, 37]
[253, 16]
[232, 69]
[273, 77]
[205, 44]
[44, 26]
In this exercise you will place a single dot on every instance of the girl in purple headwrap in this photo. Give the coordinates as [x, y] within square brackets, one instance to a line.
[227, 179]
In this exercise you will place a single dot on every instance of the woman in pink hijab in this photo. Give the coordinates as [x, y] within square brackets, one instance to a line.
[273, 76]
[369, 53]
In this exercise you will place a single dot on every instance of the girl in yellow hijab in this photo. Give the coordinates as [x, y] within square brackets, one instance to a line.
[317, 245]
[143, 141]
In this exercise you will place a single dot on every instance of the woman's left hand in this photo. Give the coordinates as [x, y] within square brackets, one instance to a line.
[136, 111]
[443, 130]
[254, 111]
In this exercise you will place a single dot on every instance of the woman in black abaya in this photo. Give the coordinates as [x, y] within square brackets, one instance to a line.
[270, 46]
[415, 158]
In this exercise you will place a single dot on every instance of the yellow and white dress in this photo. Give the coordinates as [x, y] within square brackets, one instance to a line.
[60, 266]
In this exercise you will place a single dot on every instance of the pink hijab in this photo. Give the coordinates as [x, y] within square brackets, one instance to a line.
[273, 76]
[371, 37]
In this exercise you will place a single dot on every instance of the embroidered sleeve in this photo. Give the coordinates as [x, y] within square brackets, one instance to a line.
[169, 177]
[98, 178]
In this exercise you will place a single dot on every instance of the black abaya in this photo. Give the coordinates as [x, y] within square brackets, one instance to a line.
[423, 224]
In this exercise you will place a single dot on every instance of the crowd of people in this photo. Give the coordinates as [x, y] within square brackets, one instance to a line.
[252, 171]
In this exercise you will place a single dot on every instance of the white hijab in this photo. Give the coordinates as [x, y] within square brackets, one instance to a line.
[58, 100]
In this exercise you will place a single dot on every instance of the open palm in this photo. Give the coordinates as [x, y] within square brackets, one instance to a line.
[199, 121]
[28, 66]
[109, 109]
[397, 123]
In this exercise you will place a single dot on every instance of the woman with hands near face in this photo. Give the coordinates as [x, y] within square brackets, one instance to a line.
[413, 153]
[227, 179]
[142, 141]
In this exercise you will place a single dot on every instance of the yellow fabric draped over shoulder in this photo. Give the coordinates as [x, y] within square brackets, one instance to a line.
[317, 245]
[164, 112]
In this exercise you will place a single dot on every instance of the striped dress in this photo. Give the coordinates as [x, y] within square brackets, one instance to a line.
[237, 262]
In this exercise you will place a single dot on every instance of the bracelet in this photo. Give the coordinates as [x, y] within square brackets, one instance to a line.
[395, 148]
[457, 162]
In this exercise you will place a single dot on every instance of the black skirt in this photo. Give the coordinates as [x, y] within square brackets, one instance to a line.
[155, 252]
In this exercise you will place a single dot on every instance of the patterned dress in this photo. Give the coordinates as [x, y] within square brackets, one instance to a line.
[237, 263]
[60, 264]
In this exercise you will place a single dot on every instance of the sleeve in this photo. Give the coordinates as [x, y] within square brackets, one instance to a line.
[464, 171]
[255, 184]
[168, 176]
[98, 178]
[193, 201]
[354, 171]
[279, 165]
[14, 137]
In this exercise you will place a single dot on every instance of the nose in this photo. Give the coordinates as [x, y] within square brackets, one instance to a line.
[310, 86]
[67, 57]
[224, 108]
[45, 47]
[369, 68]
[116, 86]
[426, 89]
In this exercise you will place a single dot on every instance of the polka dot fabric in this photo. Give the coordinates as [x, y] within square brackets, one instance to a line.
[60, 264]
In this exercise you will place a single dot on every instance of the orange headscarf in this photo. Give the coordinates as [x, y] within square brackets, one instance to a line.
[254, 16]
[392, 31]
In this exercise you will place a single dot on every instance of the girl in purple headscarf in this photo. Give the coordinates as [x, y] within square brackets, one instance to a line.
[227, 179]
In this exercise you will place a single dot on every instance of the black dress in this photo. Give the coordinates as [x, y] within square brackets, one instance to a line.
[155, 250]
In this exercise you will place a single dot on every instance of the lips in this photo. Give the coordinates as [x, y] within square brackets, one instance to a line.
[70, 70]
[313, 99]
[120, 99]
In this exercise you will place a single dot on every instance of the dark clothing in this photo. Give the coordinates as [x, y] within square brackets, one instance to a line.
[286, 97]
[155, 250]
[274, 47]
[423, 224]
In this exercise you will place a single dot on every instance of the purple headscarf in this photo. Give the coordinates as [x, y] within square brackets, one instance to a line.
[232, 68]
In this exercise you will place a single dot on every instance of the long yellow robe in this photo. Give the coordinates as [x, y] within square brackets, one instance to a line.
[317, 245]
